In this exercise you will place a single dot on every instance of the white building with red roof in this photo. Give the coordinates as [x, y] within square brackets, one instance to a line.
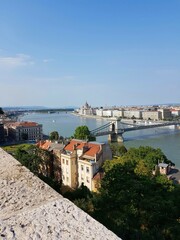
[175, 112]
[81, 161]
[20, 131]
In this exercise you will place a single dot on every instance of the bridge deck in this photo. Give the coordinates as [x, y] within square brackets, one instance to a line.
[103, 130]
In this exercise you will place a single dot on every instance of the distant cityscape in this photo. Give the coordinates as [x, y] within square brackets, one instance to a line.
[13, 130]
[154, 112]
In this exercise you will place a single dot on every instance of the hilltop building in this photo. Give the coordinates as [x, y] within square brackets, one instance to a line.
[56, 149]
[20, 131]
[81, 161]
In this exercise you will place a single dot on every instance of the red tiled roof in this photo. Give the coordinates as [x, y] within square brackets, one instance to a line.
[44, 144]
[174, 110]
[24, 124]
[92, 148]
[70, 146]
[28, 124]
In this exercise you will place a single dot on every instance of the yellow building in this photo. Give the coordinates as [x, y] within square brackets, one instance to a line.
[81, 161]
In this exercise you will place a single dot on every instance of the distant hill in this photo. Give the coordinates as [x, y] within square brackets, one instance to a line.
[23, 108]
[37, 109]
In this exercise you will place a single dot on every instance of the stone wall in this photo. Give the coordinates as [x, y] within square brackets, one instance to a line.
[30, 209]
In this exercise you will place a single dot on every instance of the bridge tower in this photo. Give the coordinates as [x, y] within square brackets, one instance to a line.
[115, 135]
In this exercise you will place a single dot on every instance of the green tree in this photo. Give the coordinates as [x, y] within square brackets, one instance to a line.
[149, 155]
[38, 161]
[1, 111]
[54, 136]
[135, 206]
[82, 197]
[83, 133]
[117, 149]
[32, 162]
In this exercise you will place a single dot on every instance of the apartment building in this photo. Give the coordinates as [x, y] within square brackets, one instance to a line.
[175, 112]
[152, 115]
[166, 113]
[55, 148]
[81, 161]
[118, 113]
[107, 113]
[133, 114]
[99, 112]
[20, 131]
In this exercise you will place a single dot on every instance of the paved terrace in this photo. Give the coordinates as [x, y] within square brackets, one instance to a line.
[30, 209]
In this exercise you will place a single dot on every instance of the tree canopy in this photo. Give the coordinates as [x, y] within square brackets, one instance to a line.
[83, 133]
[117, 149]
[137, 207]
[54, 136]
[149, 155]
[143, 159]
[1, 111]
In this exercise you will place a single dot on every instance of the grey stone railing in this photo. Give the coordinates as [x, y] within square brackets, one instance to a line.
[30, 209]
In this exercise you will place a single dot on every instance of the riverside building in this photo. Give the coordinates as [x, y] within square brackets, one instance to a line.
[86, 110]
[20, 131]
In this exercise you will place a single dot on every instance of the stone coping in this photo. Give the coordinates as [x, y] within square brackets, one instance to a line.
[30, 209]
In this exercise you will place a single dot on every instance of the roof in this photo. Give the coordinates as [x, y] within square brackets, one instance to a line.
[163, 165]
[24, 124]
[90, 149]
[44, 144]
[48, 145]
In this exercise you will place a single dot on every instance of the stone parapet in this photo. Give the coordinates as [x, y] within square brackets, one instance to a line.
[30, 209]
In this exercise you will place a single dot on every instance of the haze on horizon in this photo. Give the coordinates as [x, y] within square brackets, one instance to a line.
[63, 53]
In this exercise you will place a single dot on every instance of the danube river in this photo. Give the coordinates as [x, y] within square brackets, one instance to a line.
[166, 138]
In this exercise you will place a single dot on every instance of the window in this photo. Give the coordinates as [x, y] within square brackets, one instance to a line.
[87, 180]
[82, 167]
[63, 160]
[87, 169]
[66, 162]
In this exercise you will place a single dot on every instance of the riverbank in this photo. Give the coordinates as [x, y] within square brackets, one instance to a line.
[174, 175]
[94, 116]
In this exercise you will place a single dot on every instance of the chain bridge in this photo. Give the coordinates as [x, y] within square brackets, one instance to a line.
[116, 128]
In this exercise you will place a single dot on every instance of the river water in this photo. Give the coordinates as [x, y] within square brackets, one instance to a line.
[165, 138]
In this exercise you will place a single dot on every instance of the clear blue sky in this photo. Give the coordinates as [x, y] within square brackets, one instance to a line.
[59, 53]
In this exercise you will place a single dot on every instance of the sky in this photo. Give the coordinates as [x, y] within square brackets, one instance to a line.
[59, 53]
